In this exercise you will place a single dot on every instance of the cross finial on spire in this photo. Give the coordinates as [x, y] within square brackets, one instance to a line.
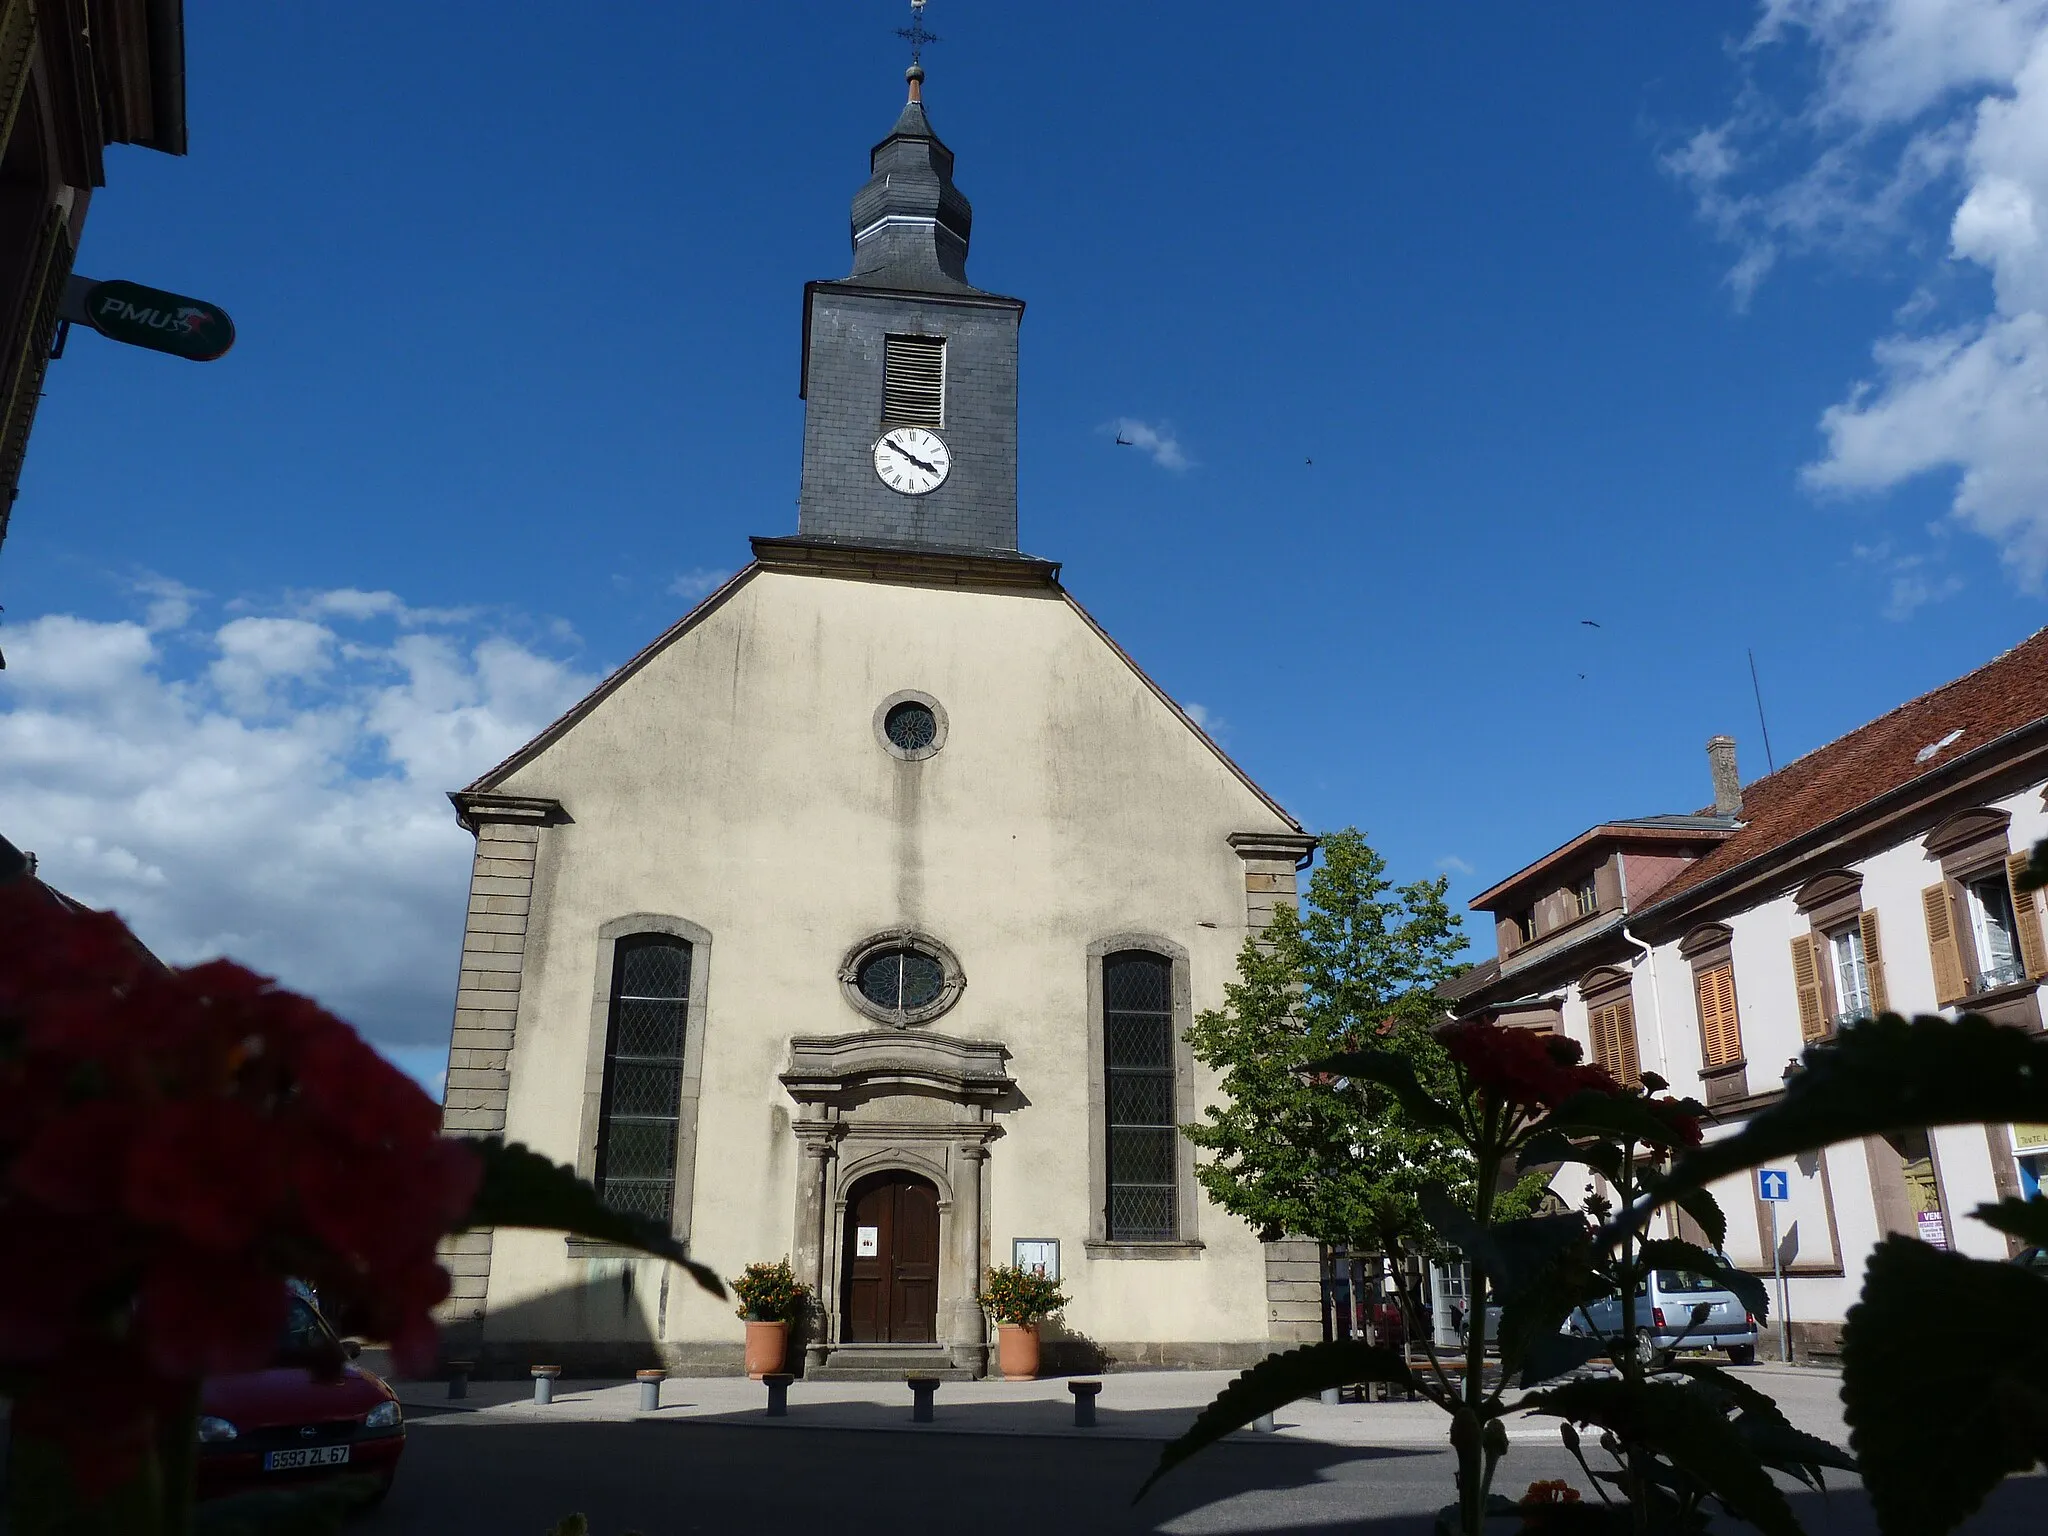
[916, 34]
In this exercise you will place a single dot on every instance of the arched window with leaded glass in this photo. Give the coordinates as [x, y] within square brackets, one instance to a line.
[639, 1120]
[1143, 1129]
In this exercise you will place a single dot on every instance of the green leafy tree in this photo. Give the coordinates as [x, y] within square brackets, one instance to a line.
[1304, 1153]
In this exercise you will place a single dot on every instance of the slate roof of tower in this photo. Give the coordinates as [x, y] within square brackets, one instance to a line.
[910, 223]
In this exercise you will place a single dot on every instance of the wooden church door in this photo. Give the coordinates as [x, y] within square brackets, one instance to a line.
[892, 1261]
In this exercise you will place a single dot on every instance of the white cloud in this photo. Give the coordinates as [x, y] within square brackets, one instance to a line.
[171, 603]
[1909, 583]
[284, 803]
[1450, 863]
[1158, 441]
[697, 581]
[1929, 115]
[1207, 719]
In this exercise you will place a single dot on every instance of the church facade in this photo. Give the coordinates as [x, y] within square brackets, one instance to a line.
[861, 916]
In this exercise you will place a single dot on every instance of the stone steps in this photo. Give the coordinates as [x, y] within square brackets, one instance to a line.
[887, 1362]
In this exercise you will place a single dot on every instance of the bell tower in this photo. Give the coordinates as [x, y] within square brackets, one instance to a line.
[910, 371]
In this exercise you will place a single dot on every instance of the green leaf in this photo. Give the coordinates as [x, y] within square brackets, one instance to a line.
[1394, 1073]
[1686, 1428]
[1556, 1354]
[1886, 1075]
[521, 1188]
[1513, 1253]
[1275, 1382]
[1671, 1253]
[1703, 1208]
[2026, 1220]
[1944, 1361]
[2036, 874]
[1624, 1116]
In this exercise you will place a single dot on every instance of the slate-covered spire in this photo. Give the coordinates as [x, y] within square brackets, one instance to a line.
[910, 223]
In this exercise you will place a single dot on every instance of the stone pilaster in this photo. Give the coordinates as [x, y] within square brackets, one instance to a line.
[1294, 1292]
[1271, 860]
[810, 1245]
[508, 830]
[968, 1332]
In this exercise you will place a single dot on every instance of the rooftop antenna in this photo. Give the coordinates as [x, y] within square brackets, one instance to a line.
[1757, 689]
[916, 34]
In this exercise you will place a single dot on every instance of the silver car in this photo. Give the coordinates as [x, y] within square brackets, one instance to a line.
[1665, 1307]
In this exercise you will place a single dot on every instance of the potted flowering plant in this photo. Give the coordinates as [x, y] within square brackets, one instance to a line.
[1018, 1299]
[770, 1299]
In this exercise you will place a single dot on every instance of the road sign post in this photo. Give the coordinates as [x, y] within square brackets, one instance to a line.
[1774, 1187]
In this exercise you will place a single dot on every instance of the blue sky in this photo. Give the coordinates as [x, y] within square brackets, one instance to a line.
[1721, 325]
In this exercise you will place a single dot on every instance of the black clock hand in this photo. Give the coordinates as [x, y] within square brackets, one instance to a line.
[903, 452]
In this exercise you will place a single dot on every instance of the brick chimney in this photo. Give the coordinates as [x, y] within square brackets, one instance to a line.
[1727, 781]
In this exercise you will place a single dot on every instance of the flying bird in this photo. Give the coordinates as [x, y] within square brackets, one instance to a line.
[1590, 624]
[1309, 461]
[1124, 442]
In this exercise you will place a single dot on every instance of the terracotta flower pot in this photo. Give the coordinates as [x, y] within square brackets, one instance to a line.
[1017, 1351]
[767, 1347]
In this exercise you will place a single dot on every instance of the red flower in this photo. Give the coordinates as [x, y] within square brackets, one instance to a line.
[175, 1144]
[1682, 1127]
[1532, 1069]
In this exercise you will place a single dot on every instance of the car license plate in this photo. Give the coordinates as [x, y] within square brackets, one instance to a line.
[311, 1456]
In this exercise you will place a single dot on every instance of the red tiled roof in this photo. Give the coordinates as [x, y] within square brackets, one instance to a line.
[1999, 697]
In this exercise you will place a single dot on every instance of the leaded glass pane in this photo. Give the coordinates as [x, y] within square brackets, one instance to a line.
[881, 980]
[648, 1029]
[911, 726]
[643, 1076]
[1138, 983]
[645, 1088]
[655, 970]
[1138, 1040]
[1141, 1215]
[923, 978]
[1142, 1154]
[1140, 1100]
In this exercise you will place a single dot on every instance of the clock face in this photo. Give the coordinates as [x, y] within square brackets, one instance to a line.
[912, 460]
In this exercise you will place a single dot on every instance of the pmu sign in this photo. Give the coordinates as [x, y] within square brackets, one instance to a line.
[149, 317]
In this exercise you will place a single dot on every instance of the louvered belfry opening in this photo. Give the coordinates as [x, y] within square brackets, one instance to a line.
[914, 381]
[1144, 1134]
[643, 1076]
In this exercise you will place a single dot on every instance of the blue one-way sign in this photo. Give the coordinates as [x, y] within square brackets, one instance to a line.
[1773, 1184]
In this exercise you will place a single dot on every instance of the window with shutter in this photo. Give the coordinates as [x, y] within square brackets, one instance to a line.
[1614, 1041]
[1813, 1015]
[2026, 919]
[914, 381]
[1951, 984]
[1720, 1035]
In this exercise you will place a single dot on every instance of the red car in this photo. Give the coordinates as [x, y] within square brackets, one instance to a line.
[284, 1427]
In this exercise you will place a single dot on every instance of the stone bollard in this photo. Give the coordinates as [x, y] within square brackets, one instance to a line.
[544, 1383]
[777, 1383]
[1264, 1424]
[1331, 1397]
[650, 1389]
[458, 1378]
[1085, 1393]
[921, 1390]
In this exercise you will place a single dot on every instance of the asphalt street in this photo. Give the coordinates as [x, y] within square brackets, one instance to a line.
[670, 1478]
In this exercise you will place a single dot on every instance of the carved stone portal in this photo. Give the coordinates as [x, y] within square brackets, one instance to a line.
[891, 1098]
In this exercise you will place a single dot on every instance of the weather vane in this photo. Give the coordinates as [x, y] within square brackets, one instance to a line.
[916, 33]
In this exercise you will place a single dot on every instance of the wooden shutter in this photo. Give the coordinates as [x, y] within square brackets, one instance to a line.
[1720, 1035]
[2026, 916]
[1614, 1041]
[1813, 1013]
[1950, 982]
[1873, 963]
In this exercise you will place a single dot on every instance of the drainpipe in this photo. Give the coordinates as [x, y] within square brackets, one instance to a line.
[1656, 1005]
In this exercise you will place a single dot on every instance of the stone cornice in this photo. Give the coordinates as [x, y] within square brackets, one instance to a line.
[475, 807]
[1292, 846]
[906, 564]
[830, 1069]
